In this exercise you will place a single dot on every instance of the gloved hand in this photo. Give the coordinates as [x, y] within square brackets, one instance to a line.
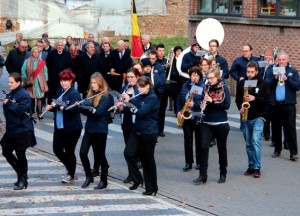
[92, 110]
[133, 110]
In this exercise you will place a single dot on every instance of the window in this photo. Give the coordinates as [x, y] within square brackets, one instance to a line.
[278, 8]
[221, 7]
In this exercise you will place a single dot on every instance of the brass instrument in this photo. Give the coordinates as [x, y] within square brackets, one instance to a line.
[185, 111]
[245, 106]
[171, 55]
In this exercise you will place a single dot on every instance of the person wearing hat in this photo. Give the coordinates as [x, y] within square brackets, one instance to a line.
[191, 58]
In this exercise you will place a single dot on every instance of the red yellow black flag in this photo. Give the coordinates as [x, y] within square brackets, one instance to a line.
[136, 42]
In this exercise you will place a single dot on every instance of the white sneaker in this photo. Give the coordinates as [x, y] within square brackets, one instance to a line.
[68, 180]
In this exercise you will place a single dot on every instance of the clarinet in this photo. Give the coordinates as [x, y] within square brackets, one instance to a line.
[204, 105]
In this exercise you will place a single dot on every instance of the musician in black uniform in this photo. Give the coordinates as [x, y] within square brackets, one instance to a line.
[214, 124]
[19, 133]
[144, 136]
[67, 124]
[128, 119]
[189, 125]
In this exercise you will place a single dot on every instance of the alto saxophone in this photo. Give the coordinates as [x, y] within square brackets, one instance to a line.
[185, 111]
[245, 106]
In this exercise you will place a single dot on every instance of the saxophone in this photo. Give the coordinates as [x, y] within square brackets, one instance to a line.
[245, 106]
[185, 111]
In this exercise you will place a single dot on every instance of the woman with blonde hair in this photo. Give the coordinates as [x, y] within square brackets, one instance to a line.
[35, 73]
[96, 129]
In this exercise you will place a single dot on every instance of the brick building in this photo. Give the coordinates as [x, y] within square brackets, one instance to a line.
[260, 23]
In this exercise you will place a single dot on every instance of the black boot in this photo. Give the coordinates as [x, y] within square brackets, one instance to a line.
[101, 185]
[222, 178]
[87, 182]
[202, 178]
[21, 183]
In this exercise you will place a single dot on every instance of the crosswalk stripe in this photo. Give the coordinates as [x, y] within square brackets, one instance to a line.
[88, 208]
[70, 197]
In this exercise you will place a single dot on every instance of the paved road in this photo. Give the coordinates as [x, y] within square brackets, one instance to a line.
[275, 193]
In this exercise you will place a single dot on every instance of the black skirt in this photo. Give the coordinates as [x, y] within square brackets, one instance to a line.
[18, 141]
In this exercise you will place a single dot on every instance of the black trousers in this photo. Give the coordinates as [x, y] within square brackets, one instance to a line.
[18, 162]
[162, 112]
[220, 132]
[64, 144]
[127, 128]
[284, 115]
[98, 142]
[146, 143]
[189, 129]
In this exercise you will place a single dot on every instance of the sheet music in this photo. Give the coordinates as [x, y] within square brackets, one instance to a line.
[198, 89]
[278, 70]
[250, 83]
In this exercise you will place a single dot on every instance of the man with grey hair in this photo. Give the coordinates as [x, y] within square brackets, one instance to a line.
[120, 63]
[42, 54]
[91, 39]
[16, 57]
[88, 63]
[146, 42]
[57, 60]
[283, 99]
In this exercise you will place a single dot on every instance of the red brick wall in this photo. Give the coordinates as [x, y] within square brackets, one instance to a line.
[174, 23]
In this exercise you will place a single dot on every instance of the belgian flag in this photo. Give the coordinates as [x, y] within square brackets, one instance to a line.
[136, 42]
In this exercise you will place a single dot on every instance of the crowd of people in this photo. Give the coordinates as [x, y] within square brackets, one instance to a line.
[43, 77]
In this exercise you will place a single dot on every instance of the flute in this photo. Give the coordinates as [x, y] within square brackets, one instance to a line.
[116, 106]
[40, 116]
[80, 102]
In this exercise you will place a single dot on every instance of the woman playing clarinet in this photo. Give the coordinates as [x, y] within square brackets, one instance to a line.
[214, 124]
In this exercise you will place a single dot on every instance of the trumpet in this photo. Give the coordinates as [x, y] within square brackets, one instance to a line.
[245, 106]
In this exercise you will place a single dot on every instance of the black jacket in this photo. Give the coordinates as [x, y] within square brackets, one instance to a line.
[260, 92]
[14, 61]
[55, 64]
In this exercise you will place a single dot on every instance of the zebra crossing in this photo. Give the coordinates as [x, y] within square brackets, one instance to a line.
[46, 195]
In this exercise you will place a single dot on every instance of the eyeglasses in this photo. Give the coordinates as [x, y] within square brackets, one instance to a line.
[130, 77]
[213, 46]
[210, 78]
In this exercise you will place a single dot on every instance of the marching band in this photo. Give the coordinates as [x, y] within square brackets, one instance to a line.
[140, 95]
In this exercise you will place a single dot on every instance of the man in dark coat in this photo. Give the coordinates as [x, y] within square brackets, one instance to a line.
[120, 63]
[16, 57]
[57, 60]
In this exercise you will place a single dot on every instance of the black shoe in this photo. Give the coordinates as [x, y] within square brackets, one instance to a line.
[222, 179]
[95, 173]
[249, 171]
[87, 182]
[187, 167]
[275, 154]
[135, 185]
[127, 180]
[197, 167]
[200, 180]
[272, 144]
[256, 173]
[149, 193]
[101, 185]
[293, 157]
[161, 134]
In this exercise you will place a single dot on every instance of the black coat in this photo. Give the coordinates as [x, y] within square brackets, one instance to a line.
[86, 67]
[121, 66]
[55, 64]
[14, 61]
